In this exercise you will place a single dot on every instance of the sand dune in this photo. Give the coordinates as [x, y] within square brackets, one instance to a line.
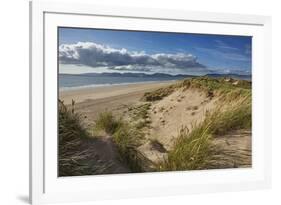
[182, 108]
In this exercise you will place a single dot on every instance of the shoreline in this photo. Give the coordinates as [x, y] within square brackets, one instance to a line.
[93, 86]
[108, 91]
[89, 102]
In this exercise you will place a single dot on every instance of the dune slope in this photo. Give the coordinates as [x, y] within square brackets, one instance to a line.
[185, 106]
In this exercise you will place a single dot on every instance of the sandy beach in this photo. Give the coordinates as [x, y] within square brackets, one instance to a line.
[116, 98]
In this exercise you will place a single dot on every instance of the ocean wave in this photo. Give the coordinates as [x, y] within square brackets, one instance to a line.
[106, 85]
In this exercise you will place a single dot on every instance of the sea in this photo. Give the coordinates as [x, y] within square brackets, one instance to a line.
[73, 81]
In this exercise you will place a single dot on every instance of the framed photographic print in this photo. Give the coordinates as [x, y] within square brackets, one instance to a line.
[129, 102]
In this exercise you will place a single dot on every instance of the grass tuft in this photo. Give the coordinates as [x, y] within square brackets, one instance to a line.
[192, 150]
[70, 124]
[108, 123]
[127, 138]
[236, 116]
[158, 94]
[75, 157]
[140, 117]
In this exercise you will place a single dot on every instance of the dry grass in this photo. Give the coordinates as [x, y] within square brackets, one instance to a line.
[75, 156]
[107, 122]
[193, 150]
[139, 115]
[211, 86]
[127, 138]
[159, 93]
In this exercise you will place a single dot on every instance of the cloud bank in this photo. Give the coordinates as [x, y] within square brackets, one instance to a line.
[97, 55]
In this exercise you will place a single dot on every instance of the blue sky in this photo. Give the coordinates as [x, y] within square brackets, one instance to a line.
[93, 50]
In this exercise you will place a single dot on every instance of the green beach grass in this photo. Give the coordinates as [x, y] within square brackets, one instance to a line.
[192, 149]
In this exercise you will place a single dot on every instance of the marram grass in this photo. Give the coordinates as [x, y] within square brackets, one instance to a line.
[127, 138]
[192, 150]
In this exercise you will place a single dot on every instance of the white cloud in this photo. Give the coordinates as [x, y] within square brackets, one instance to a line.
[97, 55]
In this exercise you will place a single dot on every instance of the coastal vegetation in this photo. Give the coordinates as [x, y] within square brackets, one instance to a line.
[127, 138]
[193, 149]
[223, 107]
[76, 156]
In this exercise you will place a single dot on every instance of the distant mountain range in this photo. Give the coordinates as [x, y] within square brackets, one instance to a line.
[160, 75]
[140, 75]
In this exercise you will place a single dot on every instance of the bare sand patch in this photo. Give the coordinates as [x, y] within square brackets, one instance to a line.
[183, 108]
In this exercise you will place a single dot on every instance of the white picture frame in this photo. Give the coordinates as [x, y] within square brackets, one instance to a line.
[46, 187]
